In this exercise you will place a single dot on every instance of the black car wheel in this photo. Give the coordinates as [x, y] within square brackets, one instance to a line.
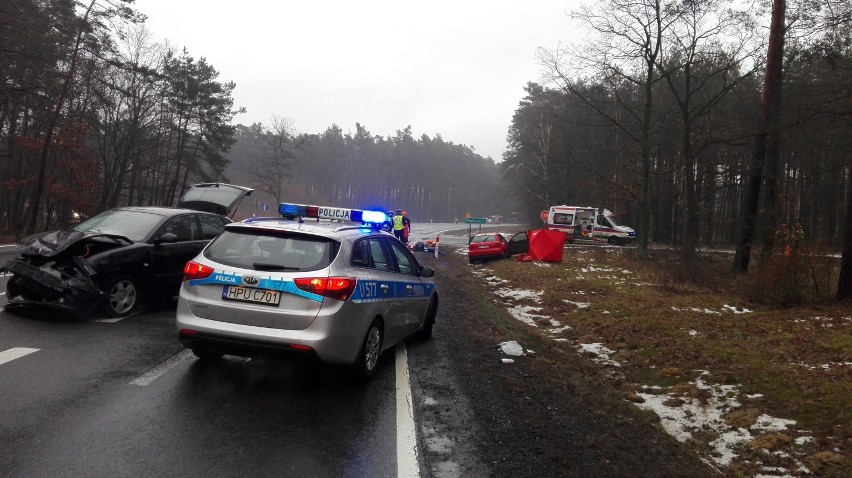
[613, 241]
[12, 289]
[426, 332]
[371, 348]
[122, 296]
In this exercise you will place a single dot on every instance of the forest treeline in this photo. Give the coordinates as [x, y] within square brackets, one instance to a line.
[660, 111]
[432, 179]
[95, 114]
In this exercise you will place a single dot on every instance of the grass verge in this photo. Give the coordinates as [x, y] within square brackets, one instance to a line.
[671, 337]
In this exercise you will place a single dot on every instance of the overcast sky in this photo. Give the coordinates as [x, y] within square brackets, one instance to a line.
[454, 68]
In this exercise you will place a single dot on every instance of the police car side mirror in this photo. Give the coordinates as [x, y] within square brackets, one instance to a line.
[427, 272]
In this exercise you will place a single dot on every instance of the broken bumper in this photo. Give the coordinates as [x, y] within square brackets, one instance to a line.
[69, 289]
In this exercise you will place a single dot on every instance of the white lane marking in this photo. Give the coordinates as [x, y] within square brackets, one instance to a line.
[109, 321]
[406, 437]
[159, 370]
[15, 353]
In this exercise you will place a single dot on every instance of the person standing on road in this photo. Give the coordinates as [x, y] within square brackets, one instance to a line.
[398, 227]
[406, 226]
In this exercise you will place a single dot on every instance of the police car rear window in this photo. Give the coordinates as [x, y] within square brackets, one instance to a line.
[267, 251]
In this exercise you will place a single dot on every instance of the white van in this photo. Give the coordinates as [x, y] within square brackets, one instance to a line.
[588, 225]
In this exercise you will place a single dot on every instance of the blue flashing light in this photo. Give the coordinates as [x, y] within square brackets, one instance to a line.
[289, 209]
[375, 217]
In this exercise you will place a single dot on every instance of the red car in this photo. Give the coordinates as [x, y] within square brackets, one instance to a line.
[494, 245]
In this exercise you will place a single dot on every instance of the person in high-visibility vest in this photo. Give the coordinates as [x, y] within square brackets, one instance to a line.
[398, 226]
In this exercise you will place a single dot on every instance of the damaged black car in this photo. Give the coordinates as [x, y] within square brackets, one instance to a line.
[118, 257]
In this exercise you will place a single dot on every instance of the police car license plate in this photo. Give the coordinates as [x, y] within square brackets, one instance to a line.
[250, 294]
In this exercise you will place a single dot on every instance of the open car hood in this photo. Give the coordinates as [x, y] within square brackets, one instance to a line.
[218, 198]
[51, 243]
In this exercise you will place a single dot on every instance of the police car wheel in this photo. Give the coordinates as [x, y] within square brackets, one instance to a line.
[429, 321]
[368, 357]
[207, 355]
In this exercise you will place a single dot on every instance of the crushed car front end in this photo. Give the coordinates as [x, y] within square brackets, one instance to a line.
[53, 272]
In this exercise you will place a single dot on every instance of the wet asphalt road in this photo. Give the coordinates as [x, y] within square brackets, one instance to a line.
[96, 397]
[82, 405]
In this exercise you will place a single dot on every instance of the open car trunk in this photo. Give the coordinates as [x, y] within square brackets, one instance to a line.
[218, 198]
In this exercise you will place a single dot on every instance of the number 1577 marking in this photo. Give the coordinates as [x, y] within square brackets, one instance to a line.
[368, 289]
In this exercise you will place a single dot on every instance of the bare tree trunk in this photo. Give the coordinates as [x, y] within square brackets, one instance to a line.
[35, 199]
[768, 117]
[844, 286]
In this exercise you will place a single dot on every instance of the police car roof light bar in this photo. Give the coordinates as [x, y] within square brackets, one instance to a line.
[299, 211]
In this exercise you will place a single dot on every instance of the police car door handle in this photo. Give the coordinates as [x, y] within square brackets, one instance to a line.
[408, 287]
[384, 288]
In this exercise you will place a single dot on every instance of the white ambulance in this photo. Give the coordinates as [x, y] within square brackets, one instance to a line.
[588, 225]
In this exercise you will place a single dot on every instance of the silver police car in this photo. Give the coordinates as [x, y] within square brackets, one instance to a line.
[341, 292]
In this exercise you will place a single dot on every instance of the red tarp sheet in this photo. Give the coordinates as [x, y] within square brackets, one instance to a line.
[545, 246]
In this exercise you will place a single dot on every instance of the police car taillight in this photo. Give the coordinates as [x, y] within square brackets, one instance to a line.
[193, 270]
[339, 288]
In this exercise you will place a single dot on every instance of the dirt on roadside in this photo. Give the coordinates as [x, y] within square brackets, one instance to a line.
[550, 413]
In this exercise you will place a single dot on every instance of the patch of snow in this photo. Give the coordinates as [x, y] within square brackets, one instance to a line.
[558, 330]
[772, 424]
[737, 310]
[557, 327]
[696, 309]
[804, 440]
[723, 447]
[505, 360]
[693, 333]
[683, 420]
[522, 313]
[579, 305]
[542, 264]
[512, 348]
[754, 396]
[494, 280]
[429, 401]
[601, 353]
[520, 294]
[825, 366]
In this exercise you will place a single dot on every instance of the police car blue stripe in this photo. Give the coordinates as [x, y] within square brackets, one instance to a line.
[268, 283]
[370, 291]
